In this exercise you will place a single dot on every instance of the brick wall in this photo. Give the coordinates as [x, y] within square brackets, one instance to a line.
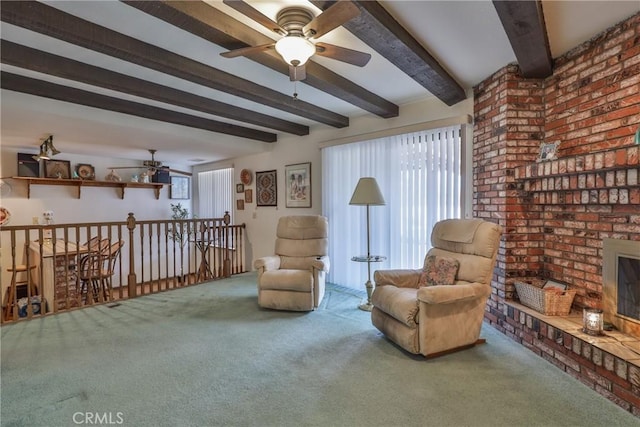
[556, 213]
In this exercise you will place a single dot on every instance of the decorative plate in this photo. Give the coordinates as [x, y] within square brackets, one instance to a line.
[245, 176]
[5, 216]
[85, 171]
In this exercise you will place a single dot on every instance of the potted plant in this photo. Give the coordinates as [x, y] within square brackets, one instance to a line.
[181, 230]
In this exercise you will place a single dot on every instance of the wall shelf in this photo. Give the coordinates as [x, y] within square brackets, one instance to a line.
[79, 183]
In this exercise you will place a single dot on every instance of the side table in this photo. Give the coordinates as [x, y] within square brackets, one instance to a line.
[367, 306]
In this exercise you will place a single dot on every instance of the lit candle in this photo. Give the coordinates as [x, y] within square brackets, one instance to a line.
[592, 321]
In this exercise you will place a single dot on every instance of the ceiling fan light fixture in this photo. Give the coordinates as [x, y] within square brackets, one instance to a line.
[295, 50]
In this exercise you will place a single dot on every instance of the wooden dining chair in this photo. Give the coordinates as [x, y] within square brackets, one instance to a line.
[96, 271]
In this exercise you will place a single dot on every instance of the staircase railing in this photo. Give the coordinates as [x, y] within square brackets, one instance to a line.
[55, 268]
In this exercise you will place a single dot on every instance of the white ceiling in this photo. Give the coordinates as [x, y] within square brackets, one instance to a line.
[466, 37]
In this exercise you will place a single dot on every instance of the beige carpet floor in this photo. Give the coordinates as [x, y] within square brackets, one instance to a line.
[209, 356]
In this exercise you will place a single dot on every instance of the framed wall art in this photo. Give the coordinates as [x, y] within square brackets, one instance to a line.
[239, 188]
[248, 196]
[240, 205]
[298, 194]
[28, 166]
[548, 152]
[267, 188]
[179, 187]
[57, 169]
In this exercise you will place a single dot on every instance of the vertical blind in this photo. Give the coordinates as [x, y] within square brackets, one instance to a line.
[419, 176]
[215, 192]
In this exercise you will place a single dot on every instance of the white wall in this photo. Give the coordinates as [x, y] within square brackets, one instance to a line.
[261, 221]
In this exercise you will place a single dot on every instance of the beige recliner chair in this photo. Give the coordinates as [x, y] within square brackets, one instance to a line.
[294, 278]
[419, 313]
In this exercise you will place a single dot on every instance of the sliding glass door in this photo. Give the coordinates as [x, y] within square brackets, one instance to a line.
[419, 175]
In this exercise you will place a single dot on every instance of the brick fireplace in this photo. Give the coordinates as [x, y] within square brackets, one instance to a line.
[556, 214]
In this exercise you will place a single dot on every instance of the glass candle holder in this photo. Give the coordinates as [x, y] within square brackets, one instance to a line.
[592, 321]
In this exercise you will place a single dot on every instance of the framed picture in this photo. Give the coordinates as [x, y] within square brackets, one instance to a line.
[547, 152]
[298, 194]
[248, 196]
[28, 166]
[179, 187]
[85, 171]
[240, 204]
[239, 188]
[57, 169]
[267, 188]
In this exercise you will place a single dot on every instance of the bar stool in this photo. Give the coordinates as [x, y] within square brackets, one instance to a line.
[10, 296]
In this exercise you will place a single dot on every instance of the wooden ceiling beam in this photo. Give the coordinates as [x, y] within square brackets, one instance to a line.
[207, 22]
[16, 83]
[44, 19]
[47, 63]
[378, 29]
[523, 21]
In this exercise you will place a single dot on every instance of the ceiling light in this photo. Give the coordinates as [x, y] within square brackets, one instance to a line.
[47, 150]
[295, 50]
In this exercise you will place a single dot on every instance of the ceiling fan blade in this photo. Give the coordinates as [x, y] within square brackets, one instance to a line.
[350, 56]
[254, 14]
[244, 51]
[298, 73]
[180, 172]
[333, 17]
[128, 167]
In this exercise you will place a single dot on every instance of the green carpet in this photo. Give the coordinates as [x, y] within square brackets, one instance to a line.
[209, 356]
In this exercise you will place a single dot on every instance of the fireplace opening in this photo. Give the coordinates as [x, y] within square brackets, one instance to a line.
[629, 287]
[621, 284]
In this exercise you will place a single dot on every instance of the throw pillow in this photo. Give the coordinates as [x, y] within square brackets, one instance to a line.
[438, 271]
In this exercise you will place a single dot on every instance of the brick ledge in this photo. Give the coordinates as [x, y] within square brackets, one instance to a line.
[610, 368]
[604, 161]
[614, 342]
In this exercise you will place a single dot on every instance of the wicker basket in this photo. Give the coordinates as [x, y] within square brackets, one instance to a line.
[550, 302]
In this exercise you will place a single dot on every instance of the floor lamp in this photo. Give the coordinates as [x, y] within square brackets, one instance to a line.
[367, 193]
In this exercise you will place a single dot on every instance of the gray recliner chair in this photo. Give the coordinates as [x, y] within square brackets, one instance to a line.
[423, 316]
[294, 278]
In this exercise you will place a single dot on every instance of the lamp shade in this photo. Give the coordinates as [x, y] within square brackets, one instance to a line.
[367, 192]
[295, 50]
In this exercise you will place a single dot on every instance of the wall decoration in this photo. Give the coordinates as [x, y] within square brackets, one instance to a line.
[5, 216]
[60, 169]
[267, 188]
[248, 196]
[245, 176]
[28, 166]
[85, 171]
[240, 204]
[113, 176]
[179, 187]
[239, 188]
[298, 194]
[547, 152]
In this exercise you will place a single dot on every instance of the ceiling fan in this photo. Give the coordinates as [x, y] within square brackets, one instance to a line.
[299, 27]
[152, 166]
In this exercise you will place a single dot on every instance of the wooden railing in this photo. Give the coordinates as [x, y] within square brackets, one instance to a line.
[54, 268]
